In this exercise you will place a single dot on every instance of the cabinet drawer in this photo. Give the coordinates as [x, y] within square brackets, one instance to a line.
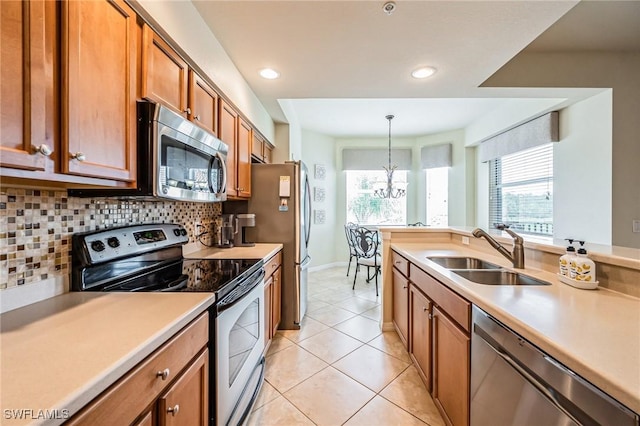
[400, 263]
[131, 395]
[272, 264]
[455, 306]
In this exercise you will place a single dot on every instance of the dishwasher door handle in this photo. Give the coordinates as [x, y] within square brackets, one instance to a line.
[527, 376]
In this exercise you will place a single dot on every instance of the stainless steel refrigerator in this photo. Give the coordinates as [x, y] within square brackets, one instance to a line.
[281, 201]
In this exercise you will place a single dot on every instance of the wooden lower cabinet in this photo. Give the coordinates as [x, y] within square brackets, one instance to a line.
[420, 336]
[175, 374]
[272, 297]
[401, 306]
[451, 369]
[186, 401]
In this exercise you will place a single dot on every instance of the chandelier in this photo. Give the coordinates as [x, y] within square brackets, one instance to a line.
[389, 191]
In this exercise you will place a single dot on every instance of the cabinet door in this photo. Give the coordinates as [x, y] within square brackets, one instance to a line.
[276, 303]
[256, 147]
[146, 420]
[203, 103]
[164, 73]
[229, 134]
[401, 306]
[186, 402]
[267, 153]
[268, 295]
[99, 89]
[243, 158]
[451, 362]
[26, 84]
[420, 326]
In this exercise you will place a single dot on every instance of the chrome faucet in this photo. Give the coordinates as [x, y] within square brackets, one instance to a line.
[517, 256]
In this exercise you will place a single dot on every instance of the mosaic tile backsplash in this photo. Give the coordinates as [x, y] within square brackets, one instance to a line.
[36, 227]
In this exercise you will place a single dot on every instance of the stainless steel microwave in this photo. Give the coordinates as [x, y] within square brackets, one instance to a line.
[177, 160]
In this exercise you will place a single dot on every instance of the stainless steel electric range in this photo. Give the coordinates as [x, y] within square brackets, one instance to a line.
[149, 258]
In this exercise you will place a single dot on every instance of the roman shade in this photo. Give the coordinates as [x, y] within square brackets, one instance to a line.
[435, 156]
[374, 159]
[538, 131]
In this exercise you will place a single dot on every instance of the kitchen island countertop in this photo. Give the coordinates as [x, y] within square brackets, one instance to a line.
[59, 354]
[596, 333]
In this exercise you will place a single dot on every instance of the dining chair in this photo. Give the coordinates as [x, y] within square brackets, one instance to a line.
[352, 250]
[365, 243]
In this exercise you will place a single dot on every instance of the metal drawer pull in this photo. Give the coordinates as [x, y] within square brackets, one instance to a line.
[163, 374]
[398, 262]
[78, 156]
[174, 410]
[197, 117]
[424, 309]
[44, 150]
[188, 110]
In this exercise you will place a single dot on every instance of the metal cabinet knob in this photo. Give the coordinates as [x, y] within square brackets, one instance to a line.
[397, 262]
[44, 150]
[188, 110]
[424, 309]
[163, 374]
[430, 316]
[78, 156]
[404, 287]
[174, 410]
[197, 117]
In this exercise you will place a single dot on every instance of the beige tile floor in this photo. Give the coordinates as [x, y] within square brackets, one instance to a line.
[339, 368]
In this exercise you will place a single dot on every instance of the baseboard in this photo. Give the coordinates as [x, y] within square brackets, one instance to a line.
[327, 266]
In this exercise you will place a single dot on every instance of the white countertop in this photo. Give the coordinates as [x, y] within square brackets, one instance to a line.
[259, 251]
[61, 353]
[596, 333]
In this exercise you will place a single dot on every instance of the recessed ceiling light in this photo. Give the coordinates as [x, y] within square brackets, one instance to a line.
[423, 72]
[269, 73]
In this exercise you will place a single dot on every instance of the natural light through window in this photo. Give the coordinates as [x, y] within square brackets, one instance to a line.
[365, 208]
[437, 197]
[521, 190]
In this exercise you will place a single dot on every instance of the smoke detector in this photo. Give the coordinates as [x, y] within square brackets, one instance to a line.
[389, 7]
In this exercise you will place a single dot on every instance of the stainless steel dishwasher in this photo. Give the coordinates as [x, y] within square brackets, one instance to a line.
[515, 383]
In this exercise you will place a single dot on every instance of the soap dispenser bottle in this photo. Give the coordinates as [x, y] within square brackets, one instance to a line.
[567, 258]
[583, 268]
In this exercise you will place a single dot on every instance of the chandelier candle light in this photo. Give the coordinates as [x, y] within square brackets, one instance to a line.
[389, 191]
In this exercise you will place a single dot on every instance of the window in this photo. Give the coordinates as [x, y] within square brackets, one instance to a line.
[365, 208]
[521, 190]
[437, 197]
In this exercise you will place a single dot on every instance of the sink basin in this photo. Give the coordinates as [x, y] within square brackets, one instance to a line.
[463, 263]
[499, 277]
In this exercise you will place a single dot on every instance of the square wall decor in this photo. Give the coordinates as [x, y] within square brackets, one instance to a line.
[320, 171]
[319, 217]
[318, 194]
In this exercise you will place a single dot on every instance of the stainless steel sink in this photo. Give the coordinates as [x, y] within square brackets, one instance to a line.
[498, 277]
[462, 263]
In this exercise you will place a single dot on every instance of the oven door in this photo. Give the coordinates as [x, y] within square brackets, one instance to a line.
[239, 346]
[187, 169]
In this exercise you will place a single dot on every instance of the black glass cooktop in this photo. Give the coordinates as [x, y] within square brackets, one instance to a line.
[217, 276]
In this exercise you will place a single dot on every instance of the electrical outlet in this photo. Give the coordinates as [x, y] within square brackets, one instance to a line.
[465, 240]
[636, 226]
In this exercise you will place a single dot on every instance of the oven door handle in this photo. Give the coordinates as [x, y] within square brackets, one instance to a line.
[254, 397]
[231, 299]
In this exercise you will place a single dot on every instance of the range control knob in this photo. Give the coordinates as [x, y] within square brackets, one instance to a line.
[113, 242]
[176, 232]
[97, 245]
[183, 232]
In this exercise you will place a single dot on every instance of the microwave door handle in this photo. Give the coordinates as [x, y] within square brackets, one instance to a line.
[224, 175]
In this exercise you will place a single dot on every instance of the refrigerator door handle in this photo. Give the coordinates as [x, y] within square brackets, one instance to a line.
[308, 196]
[305, 262]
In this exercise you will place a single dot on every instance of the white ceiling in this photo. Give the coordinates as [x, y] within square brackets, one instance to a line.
[346, 64]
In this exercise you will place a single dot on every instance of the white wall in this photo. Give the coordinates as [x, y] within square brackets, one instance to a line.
[583, 171]
[185, 26]
[617, 70]
[319, 149]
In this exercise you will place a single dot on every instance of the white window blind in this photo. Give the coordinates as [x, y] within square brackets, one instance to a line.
[521, 190]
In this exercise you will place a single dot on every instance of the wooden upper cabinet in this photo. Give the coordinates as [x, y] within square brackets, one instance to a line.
[26, 84]
[98, 90]
[228, 133]
[243, 158]
[203, 103]
[164, 72]
[260, 149]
